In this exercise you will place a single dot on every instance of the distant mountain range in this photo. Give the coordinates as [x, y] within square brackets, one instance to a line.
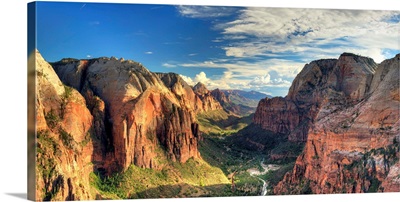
[252, 95]
[246, 98]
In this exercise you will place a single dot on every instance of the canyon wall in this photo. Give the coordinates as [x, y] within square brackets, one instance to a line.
[141, 117]
[63, 145]
[336, 82]
[352, 141]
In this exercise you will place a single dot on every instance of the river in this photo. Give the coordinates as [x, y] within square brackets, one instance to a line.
[255, 172]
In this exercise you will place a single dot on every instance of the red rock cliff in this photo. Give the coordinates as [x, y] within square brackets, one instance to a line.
[136, 114]
[341, 81]
[208, 100]
[353, 144]
[64, 147]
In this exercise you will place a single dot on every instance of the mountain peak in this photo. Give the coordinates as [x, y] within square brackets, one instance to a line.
[200, 88]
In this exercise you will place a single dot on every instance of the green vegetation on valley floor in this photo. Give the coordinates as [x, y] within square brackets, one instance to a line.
[219, 122]
[222, 159]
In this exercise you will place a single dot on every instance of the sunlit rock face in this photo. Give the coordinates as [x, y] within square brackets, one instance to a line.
[332, 82]
[208, 100]
[352, 144]
[64, 149]
[140, 117]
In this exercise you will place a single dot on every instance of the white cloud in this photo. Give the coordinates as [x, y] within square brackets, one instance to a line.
[210, 63]
[168, 65]
[148, 52]
[205, 11]
[307, 32]
[267, 47]
[236, 68]
[261, 80]
[187, 79]
[211, 84]
[266, 81]
[201, 77]
[192, 54]
[228, 80]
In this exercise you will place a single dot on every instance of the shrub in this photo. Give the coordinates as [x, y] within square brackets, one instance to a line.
[110, 184]
[66, 138]
[64, 99]
[51, 118]
[67, 92]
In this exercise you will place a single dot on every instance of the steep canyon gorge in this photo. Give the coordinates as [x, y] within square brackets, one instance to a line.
[106, 115]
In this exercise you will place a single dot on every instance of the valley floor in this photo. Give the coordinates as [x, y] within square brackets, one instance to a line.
[224, 169]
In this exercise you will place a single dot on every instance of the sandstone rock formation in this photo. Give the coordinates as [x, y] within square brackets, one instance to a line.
[184, 92]
[102, 115]
[140, 117]
[277, 114]
[352, 143]
[336, 82]
[64, 148]
[220, 97]
[207, 98]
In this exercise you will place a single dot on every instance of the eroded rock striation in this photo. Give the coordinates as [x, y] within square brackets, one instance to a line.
[140, 117]
[209, 102]
[64, 146]
[352, 139]
[334, 82]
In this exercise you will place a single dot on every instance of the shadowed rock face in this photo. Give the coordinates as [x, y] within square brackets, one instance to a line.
[140, 117]
[277, 114]
[352, 143]
[220, 97]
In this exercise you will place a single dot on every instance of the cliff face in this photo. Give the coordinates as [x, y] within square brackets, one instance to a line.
[140, 117]
[185, 94]
[208, 100]
[353, 141]
[220, 97]
[277, 114]
[323, 82]
[64, 148]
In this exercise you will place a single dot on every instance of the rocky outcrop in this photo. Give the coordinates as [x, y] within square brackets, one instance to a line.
[220, 97]
[64, 147]
[352, 143]
[277, 114]
[333, 82]
[140, 117]
[184, 92]
[208, 100]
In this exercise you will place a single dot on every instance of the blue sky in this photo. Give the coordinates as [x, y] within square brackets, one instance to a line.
[251, 48]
